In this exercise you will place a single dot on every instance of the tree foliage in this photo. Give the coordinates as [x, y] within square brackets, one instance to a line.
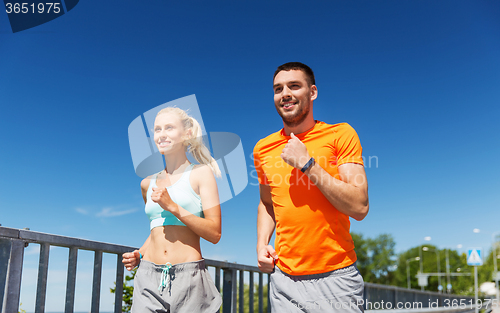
[457, 262]
[246, 298]
[486, 271]
[378, 263]
[128, 291]
[376, 258]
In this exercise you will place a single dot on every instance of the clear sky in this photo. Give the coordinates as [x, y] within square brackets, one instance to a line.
[418, 80]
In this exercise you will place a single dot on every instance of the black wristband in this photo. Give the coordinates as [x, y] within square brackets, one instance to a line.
[308, 165]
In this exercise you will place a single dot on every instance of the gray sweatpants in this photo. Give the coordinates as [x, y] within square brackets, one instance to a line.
[337, 291]
[180, 288]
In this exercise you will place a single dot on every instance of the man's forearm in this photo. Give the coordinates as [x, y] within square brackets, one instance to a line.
[265, 226]
[350, 199]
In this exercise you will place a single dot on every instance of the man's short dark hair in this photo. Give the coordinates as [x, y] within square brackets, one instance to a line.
[298, 67]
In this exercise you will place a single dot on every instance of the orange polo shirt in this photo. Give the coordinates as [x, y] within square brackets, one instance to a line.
[312, 236]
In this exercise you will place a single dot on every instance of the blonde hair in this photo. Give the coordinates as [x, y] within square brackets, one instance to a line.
[194, 144]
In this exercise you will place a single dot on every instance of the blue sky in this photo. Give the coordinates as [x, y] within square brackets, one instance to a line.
[418, 80]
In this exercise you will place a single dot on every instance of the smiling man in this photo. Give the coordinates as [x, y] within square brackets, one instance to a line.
[312, 180]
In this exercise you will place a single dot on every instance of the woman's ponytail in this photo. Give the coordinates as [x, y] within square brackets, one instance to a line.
[198, 149]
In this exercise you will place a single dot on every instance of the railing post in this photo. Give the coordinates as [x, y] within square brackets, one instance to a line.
[217, 281]
[229, 291]
[71, 281]
[241, 291]
[119, 284]
[414, 297]
[41, 286]
[96, 284]
[268, 292]
[261, 293]
[5, 247]
[250, 294]
[365, 296]
[14, 274]
[217, 278]
[395, 300]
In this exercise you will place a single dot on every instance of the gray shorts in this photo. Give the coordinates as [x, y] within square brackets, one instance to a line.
[180, 288]
[337, 291]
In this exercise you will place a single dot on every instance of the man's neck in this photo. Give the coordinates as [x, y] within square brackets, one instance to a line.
[306, 125]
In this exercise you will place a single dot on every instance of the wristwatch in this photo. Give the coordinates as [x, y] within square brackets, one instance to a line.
[308, 165]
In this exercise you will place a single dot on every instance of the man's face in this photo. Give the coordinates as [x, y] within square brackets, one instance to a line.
[292, 96]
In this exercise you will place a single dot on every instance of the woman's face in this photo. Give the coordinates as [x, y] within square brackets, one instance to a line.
[169, 133]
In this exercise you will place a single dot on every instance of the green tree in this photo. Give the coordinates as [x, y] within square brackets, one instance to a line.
[246, 298]
[457, 262]
[128, 291]
[462, 285]
[486, 271]
[361, 248]
[400, 274]
[376, 258]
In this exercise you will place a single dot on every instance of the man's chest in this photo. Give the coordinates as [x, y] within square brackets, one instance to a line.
[280, 174]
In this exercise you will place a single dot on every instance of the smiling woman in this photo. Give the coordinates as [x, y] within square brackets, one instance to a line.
[182, 204]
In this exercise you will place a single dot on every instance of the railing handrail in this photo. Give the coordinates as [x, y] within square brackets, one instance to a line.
[416, 291]
[90, 245]
[63, 241]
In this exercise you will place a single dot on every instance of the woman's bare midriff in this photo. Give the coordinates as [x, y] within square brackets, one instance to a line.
[174, 244]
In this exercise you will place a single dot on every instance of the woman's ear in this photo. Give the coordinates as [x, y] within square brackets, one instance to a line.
[187, 137]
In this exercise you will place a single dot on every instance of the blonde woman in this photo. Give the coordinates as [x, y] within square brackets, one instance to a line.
[182, 203]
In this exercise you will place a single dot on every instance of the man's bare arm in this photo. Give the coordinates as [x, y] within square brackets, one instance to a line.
[265, 228]
[349, 195]
[265, 217]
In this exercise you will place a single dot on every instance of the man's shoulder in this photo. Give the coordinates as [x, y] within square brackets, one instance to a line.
[336, 127]
[268, 139]
[339, 130]
[345, 129]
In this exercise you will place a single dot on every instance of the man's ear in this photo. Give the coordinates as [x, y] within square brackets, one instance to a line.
[314, 92]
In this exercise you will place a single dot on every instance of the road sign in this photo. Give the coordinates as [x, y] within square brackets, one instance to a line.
[448, 286]
[474, 257]
[422, 279]
[496, 277]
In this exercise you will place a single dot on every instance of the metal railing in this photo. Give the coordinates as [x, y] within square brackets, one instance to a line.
[233, 299]
[376, 294]
[13, 242]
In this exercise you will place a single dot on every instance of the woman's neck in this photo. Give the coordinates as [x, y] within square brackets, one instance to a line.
[175, 163]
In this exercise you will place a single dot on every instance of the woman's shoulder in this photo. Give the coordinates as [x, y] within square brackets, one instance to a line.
[202, 173]
[146, 181]
[202, 169]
